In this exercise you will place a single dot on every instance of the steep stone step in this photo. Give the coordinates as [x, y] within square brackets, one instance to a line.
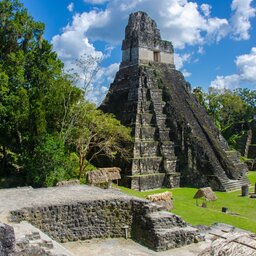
[145, 119]
[170, 166]
[144, 106]
[156, 95]
[165, 220]
[163, 134]
[167, 150]
[234, 156]
[160, 120]
[234, 184]
[165, 239]
[144, 94]
[146, 149]
[145, 133]
[158, 107]
[241, 166]
[146, 165]
[147, 181]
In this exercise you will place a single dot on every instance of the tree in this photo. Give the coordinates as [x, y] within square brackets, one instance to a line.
[50, 163]
[47, 130]
[232, 111]
[249, 97]
[93, 134]
[85, 71]
[35, 94]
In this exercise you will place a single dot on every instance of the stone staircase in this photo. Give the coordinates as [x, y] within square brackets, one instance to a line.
[231, 185]
[164, 231]
[240, 167]
[169, 231]
[153, 152]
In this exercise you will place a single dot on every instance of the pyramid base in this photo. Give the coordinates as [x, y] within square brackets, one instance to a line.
[151, 181]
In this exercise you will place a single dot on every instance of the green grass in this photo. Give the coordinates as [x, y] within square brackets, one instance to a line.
[241, 210]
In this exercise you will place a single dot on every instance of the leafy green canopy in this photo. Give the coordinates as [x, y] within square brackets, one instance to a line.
[38, 134]
[232, 111]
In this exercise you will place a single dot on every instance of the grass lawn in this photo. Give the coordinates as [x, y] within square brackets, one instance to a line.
[241, 210]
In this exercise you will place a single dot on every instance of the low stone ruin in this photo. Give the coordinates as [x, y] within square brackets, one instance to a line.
[68, 183]
[161, 230]
[30, 244]
[162, 199]
[104, 176]
[229, 241]
[83, 212]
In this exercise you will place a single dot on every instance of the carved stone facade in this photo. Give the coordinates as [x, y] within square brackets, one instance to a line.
[143, 42]
[176, 143]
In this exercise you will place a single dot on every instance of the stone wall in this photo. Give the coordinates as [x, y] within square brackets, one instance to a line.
[144, 221]
[80, 221]
[145, 55]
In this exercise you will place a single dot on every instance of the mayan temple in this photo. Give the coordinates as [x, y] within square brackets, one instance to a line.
[175, 141]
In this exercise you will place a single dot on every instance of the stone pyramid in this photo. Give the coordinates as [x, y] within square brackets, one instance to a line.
[175, 141]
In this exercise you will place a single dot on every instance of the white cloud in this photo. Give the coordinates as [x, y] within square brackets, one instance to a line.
[96, 1]
[226, 82]
[107, 74]
[73, 42]
[201, 50]
[246, 65]
[181, 59]
[180, 21]
[186, 73]
[243, 12]
[206, 9]
[110, 71]
[70, 7]
[216, 29]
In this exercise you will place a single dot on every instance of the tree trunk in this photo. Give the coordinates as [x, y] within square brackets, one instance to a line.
[4, 160]
[81, 165]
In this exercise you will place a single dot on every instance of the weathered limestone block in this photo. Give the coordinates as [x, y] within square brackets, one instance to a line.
[164, 200]
[7, 240]
[33, 251]
[146, 149]
[148, 181]
[68, 183]
[146, 165]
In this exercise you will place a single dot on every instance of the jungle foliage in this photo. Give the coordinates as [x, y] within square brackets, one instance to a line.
[232, 111]
[48, 131]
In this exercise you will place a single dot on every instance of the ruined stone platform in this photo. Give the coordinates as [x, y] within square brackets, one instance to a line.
[43, 217]
[81, 212]
[17, 198]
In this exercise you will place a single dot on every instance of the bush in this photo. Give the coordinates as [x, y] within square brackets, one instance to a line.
[50, 163]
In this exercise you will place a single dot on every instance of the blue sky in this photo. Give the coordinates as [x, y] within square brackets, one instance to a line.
[214, 41]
